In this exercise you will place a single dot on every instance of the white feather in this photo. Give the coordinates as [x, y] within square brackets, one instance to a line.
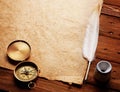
[91, 39]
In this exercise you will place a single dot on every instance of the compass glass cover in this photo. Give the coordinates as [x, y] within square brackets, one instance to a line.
[26, 73]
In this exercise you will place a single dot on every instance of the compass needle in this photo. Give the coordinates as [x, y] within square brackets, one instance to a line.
[28, 76]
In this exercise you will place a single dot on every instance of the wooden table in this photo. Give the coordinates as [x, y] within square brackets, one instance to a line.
[108, 49]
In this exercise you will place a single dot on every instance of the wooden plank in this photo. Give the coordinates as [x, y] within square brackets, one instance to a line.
[7, 83]
[108, 49]
[111, 10]
[110, 26]
[112, 2]
[115, 75]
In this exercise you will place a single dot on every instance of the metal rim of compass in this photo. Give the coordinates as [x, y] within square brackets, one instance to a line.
[26, 63]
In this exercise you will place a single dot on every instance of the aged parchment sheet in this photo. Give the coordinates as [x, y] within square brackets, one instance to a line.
[55, 29]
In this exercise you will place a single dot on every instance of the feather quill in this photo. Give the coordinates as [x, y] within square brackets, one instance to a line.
[91, 39]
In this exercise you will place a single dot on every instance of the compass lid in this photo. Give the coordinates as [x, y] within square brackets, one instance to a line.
[18, 50]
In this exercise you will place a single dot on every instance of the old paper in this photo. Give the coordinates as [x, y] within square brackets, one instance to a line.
[55, 29]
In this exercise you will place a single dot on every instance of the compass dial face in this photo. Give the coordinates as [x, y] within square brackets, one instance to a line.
[26, 73]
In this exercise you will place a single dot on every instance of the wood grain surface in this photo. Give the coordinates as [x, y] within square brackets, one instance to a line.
[111, 10]
[108, 49]
[112, 28]
[44, 85]
[112, 2]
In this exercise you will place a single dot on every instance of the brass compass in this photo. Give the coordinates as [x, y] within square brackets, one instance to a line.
[26, 72]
